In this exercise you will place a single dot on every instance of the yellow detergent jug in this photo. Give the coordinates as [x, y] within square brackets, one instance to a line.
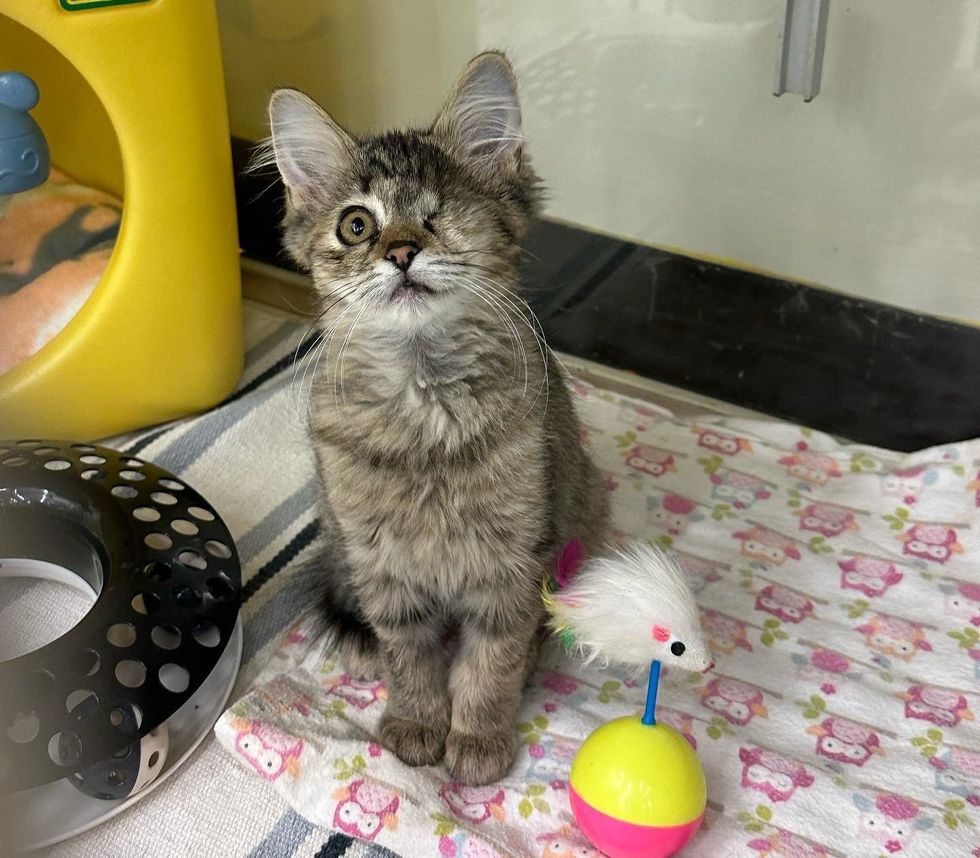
[133, 102]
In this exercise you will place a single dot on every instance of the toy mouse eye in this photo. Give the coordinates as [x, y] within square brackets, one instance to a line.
[677, 648]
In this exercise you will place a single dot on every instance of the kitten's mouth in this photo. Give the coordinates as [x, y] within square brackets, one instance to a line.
[410, 290]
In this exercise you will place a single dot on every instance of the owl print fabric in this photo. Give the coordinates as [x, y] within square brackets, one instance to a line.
[839, 587]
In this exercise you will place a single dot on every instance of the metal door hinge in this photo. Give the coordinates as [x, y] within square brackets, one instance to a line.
[801, 42]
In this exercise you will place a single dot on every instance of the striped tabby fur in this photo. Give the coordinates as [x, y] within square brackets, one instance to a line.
[448, 447]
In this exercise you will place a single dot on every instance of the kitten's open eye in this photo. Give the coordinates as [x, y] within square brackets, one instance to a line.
[356, 225]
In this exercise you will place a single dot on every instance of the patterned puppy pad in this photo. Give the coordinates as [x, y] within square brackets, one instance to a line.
[840, 592]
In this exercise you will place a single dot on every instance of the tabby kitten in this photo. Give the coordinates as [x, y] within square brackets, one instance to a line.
[447, 445]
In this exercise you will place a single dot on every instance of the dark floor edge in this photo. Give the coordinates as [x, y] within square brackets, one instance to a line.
[866, 371]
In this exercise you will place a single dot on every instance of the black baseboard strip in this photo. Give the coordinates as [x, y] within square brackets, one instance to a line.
[866, 371]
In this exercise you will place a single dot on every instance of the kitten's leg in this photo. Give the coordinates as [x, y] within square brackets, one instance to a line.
[354, 641]
[487, 680]
[357, 645]
[416, 720]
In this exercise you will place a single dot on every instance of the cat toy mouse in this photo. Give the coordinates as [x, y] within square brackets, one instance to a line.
[636, 787]
[24, 157]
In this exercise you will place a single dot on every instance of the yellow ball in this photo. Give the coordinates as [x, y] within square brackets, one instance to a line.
[640, 774]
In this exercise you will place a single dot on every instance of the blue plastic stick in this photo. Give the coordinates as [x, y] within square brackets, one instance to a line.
[649, 716]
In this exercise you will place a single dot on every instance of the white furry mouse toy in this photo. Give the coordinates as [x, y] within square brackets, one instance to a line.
[633, 607]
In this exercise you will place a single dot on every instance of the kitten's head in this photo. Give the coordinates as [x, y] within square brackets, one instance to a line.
[409, 225]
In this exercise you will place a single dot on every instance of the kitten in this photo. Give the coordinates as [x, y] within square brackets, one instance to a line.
[447, 444]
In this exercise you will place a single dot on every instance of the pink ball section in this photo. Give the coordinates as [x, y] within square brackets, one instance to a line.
[619, 839]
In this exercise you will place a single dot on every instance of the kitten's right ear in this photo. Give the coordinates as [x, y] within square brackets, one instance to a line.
[482, 118]
[310, 150]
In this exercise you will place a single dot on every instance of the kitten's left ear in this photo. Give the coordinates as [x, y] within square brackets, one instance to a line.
[482, 118]
[311, 151]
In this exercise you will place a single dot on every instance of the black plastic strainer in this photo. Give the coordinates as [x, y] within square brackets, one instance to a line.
[168, 584]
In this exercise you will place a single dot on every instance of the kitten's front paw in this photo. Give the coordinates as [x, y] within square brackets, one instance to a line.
[413, 743]
[478, 760]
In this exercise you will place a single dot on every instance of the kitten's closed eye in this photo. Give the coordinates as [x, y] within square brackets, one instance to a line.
[427, 222]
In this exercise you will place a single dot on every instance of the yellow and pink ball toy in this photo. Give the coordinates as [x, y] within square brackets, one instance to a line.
[637, 789]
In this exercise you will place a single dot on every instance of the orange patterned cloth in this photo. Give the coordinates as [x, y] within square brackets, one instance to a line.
[55, 243]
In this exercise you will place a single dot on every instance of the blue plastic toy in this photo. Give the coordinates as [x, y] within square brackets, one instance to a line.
[24, 157]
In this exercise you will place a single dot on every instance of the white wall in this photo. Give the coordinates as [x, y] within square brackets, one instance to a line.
[653, 119]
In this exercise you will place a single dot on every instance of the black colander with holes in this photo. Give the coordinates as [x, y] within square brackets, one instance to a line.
[167, 581]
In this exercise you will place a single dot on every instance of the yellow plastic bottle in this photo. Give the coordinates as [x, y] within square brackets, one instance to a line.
[133, 102]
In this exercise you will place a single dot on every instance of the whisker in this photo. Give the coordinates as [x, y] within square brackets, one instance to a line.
[341, 356]
[489, 251]
[535, 329]
[317, 344]
[512, 332]
[324, 351]
[504, 300]
[453, 264]
[320, 347]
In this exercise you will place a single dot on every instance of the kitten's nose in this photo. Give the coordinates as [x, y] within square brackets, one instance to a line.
[401, 253]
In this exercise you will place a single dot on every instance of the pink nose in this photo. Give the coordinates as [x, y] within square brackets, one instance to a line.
[401, 253]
